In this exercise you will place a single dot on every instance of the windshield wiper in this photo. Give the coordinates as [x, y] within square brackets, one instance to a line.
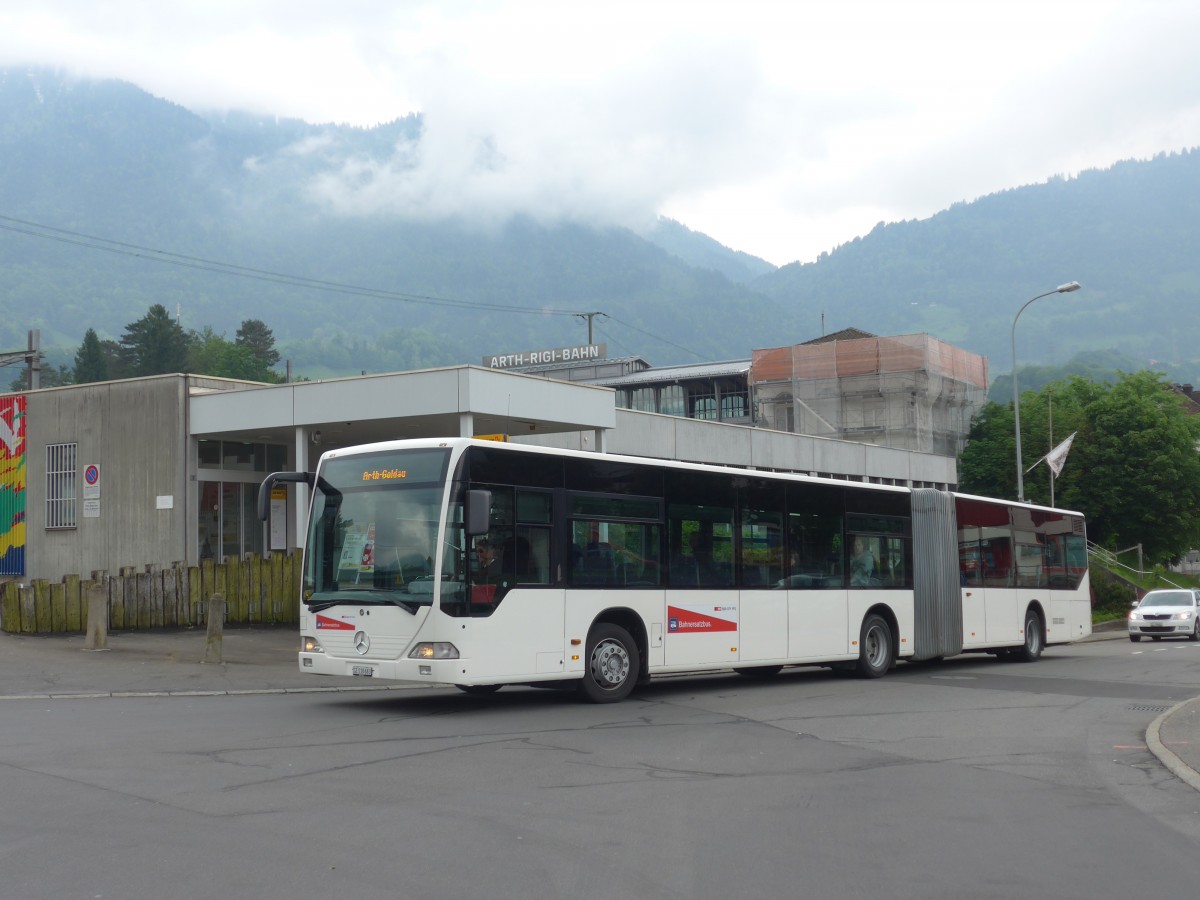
[387, 597]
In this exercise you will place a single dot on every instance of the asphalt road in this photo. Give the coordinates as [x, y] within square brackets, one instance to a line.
[968, 779]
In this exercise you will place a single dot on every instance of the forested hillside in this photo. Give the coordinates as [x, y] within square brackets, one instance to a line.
[1128, 234]
[106, 159]
[249, 207]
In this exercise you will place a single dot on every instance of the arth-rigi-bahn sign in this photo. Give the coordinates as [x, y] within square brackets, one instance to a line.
[550, 356]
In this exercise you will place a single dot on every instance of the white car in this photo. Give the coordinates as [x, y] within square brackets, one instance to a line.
[1166, 613]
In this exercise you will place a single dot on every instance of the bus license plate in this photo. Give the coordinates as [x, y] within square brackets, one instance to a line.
[363, 671]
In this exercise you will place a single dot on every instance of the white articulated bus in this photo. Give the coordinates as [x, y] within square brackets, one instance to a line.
[482, 564]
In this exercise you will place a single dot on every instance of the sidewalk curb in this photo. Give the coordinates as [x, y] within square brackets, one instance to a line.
[1167, 757]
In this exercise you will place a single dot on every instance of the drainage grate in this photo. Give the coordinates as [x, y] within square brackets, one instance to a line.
[1149, 708]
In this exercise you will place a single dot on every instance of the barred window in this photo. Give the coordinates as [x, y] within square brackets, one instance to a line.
[60, 486]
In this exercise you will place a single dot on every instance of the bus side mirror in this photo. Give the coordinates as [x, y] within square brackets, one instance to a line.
[478, 512]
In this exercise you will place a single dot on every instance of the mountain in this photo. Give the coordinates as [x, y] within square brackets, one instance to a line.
[105, 159]
[1128, 234]
[112, 200]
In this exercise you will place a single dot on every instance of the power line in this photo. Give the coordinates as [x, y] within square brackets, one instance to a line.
[123, 248]
[657, 337]
[61, 235]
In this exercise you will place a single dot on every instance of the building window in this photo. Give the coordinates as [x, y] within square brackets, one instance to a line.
[239, 456]
[704, 406]
[733, 406]
[60, 486]
[673, 401]
[228, 523]
[642, 399]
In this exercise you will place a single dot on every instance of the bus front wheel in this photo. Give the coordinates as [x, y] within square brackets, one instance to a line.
[612, 664]
[874, 648]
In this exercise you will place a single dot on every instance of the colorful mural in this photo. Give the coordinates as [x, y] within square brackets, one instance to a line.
[12, 485]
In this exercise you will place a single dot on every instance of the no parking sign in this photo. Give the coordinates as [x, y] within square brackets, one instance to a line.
[91, 482]
[91, 492]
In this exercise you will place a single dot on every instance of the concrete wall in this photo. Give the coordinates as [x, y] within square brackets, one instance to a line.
[136, 432]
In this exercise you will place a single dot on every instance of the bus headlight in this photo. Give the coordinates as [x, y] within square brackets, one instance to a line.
[434, 650]
[310, 645]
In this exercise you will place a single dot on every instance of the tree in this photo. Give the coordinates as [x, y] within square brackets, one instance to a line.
[91, 363]
[257, 337]
[1134, 469]
[155, 344]
[213, 354]
[48, 377]
[1137, 472]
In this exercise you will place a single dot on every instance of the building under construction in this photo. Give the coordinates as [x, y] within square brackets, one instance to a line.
[911, 392]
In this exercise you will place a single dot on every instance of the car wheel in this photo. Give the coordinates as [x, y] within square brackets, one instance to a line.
[1195, 635]
[1135, 637]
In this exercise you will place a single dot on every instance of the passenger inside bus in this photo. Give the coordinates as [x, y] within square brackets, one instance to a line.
[862, 565]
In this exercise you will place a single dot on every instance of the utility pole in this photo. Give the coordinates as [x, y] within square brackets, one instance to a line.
[32, 357]
[589, 316]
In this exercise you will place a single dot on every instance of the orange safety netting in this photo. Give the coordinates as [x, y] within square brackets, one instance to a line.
[866, 356]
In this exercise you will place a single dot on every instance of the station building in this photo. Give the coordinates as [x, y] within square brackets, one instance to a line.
[165, 469]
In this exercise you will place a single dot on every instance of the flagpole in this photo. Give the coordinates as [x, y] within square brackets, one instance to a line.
[1050, 412]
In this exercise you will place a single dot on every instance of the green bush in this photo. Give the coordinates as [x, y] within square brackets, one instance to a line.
[1111, 596]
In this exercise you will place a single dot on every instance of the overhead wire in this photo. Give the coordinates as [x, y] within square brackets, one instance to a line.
[123, 248]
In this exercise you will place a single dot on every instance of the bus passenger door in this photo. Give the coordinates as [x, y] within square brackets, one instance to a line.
[764, 626]
[522, 637]
[818, 622]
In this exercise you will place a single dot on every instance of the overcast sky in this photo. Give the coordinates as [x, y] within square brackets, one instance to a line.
[782, 129]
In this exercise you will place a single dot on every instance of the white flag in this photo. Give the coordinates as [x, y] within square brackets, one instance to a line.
[1058, 456]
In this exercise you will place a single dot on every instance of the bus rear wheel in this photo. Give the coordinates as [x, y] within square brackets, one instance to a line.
[874, 648]
[612, 665]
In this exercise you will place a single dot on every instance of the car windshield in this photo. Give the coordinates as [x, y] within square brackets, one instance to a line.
[1168, 598]
[373, 531]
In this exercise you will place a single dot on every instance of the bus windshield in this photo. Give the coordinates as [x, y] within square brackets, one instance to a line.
[373, 531]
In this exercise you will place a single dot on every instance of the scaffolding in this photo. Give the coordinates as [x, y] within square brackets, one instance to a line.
[910, 392]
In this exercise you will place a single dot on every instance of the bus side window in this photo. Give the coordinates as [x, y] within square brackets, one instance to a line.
[533, 554]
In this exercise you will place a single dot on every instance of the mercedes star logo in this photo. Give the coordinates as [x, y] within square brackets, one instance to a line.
[362, 643]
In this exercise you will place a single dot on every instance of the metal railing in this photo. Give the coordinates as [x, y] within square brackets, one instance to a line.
[1110, 559]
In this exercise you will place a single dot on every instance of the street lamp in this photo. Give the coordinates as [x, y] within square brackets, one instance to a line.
[1061, 289]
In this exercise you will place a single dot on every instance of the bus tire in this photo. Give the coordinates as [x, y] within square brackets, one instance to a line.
[479, 688]
[612, 664]
[874, 648]
[1035, 640]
